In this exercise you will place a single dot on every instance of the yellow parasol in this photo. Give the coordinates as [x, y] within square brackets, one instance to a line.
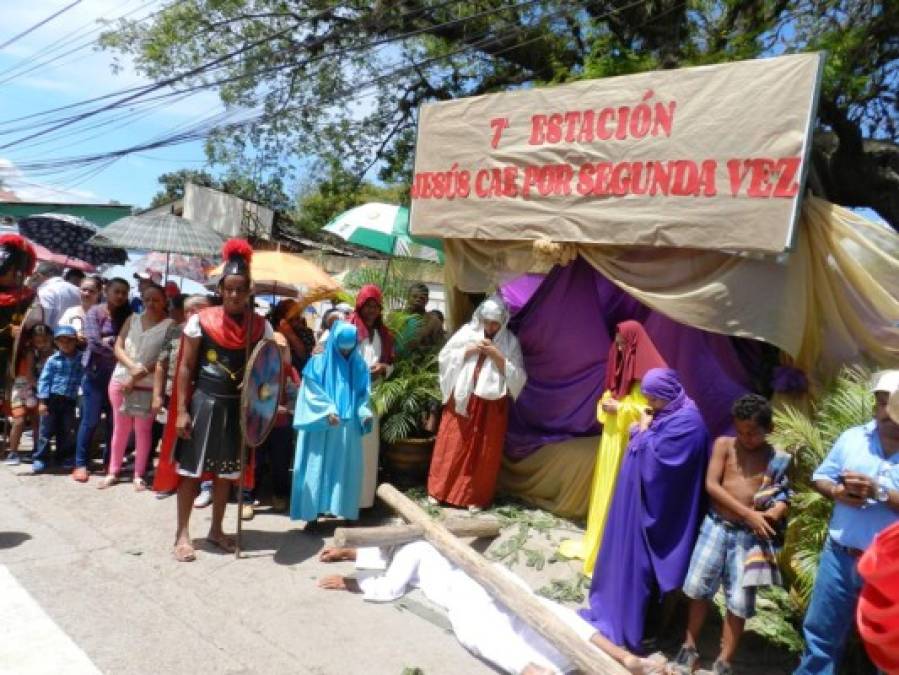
[282, 273]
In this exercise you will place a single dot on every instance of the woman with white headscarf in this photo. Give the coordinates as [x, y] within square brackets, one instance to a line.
[480, 368]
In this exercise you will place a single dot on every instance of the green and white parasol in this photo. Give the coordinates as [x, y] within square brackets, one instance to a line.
[384, 228]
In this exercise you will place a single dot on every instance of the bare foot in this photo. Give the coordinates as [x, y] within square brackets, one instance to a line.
[222, 541]
[333, 582]
[331, 554]
[184, 552]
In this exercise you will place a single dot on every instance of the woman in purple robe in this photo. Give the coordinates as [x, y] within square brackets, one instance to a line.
[655, 512]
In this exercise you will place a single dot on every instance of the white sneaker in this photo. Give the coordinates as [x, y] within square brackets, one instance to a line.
[13, 459]
[203, 499]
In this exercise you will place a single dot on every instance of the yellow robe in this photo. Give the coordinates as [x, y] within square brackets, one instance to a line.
[612, 444]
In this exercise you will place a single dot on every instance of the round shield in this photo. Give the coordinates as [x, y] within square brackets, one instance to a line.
[893, 406]
[261, 392]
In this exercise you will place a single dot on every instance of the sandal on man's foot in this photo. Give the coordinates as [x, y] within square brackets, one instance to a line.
[184, 552]
[686, 660]
[140, 485]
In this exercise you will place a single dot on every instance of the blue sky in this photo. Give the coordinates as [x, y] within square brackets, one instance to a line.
[86, 73]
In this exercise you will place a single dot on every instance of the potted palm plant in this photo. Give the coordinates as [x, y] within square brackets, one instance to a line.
[408, 402]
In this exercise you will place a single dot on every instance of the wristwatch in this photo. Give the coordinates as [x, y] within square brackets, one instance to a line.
[883, 492]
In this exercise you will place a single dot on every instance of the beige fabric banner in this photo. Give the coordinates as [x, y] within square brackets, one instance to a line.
[710, 157]
[831, 301]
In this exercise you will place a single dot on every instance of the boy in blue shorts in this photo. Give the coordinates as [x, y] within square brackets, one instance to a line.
[738, 543]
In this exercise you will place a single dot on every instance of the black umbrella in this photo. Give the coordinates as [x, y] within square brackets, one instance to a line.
[68, 235]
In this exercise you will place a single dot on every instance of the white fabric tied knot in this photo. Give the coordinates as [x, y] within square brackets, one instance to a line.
[551, 253]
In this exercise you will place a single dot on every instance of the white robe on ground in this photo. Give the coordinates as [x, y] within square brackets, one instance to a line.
[483, 626]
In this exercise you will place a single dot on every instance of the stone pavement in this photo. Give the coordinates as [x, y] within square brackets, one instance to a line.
[87, 577]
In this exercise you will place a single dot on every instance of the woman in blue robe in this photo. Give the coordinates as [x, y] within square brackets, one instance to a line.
[332, 415]
[655, 513]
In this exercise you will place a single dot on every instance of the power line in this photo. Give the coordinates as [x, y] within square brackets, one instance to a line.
[201, 130]
[50, 18]
[12, 74]
[220, 61]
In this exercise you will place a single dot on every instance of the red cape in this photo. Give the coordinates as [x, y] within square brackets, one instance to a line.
[167, 478]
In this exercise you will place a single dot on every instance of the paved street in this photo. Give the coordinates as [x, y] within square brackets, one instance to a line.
[88, 584]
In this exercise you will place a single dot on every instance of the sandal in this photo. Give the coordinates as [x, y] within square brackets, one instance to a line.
[184, 552]
[108, 482]
[140, 485]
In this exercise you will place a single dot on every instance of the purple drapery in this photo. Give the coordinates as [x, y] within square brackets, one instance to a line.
[565, 328]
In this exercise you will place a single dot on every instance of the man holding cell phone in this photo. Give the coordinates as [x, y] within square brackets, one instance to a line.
[861, 476]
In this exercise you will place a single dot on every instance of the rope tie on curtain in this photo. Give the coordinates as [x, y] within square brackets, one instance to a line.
[549, 253]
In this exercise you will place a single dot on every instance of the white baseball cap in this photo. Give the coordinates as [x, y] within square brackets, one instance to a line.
[886, 380]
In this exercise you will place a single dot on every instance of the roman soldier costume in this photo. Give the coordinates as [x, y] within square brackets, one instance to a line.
[17, 260]
[215, 442]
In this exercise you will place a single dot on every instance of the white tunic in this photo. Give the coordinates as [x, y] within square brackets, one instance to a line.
[483, 626]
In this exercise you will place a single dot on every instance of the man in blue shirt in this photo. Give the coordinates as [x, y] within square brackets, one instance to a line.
[861, 476]
[57, 393]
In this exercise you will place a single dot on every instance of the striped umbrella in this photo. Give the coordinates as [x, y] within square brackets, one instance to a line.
[163, 232]
[384, 228]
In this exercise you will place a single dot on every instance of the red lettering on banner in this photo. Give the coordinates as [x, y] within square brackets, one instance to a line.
[571, 121]
[585, 179]
[736, 171]
[760, 173]
[538, 130]
[606, 115]
[707, 178]
[554, 128]
[498, 124]
[482, 183]
[767, 177]
[586, 133]
[787, 184]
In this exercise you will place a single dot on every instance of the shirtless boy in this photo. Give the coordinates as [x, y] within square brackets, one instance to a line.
[747, 485]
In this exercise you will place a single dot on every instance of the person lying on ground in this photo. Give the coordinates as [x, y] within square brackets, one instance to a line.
[482, 625]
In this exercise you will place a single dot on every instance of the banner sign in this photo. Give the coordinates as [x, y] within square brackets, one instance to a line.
[712, 157]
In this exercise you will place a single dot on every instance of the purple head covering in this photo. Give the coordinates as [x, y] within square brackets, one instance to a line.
[661, 383]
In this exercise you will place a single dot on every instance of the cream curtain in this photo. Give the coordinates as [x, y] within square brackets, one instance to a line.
[833, 299]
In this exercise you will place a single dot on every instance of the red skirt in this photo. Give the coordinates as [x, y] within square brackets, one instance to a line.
[468, 452]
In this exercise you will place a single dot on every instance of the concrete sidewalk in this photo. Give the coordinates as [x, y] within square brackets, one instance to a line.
[99, 565]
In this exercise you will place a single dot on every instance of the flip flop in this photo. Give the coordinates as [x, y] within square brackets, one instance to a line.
[184, 552]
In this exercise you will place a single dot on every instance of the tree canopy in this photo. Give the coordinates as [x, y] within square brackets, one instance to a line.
[342, 82]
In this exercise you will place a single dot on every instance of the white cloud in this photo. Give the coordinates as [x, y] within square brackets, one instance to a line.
[14, 180]
[85, 73]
